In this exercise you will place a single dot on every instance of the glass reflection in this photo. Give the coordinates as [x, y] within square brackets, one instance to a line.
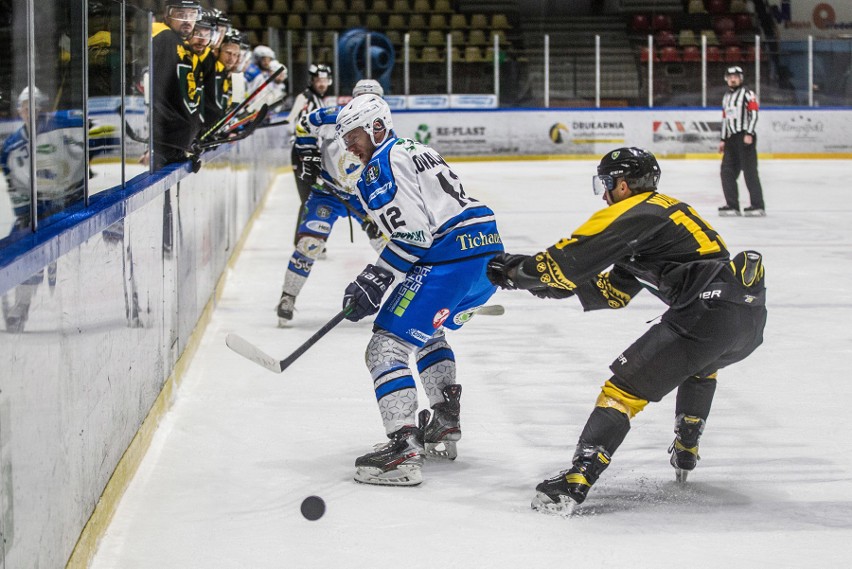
[138, 36]
[60, 151]
[15, 187]
[104, 50]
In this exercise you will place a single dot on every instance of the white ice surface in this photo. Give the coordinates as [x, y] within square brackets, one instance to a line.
[222, 482]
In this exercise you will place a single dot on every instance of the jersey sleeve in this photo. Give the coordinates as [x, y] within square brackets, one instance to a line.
[751, 108]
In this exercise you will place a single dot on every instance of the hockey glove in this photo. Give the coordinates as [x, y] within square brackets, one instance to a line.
[499, 268]
[551, 292]
[371, 229]
[309, 166]
[366, 292]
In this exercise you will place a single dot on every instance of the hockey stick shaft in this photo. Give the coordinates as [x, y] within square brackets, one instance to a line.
[224, 120]
[255, 354]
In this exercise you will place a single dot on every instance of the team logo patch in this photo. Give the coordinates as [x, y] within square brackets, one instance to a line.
[323, 212]
[439, 317]
[615, 154]
[464, 316]
[372, 173]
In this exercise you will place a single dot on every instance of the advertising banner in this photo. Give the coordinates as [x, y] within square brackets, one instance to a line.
[798, 19]
[565, 132]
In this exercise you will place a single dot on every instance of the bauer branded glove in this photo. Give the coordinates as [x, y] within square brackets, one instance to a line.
[366, 292]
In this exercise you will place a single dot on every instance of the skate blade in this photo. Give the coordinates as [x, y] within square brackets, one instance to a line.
[755, 214]
[681, 475]
[402, 475]
[444, 450]
[733, 213]
[284, 322]
[565, 507]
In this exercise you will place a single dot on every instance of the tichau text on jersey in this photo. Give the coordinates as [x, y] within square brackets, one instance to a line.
[468, 241]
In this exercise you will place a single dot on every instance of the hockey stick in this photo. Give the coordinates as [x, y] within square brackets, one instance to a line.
[491, 310]
[255, 354]
[249, 124]
[224, 120]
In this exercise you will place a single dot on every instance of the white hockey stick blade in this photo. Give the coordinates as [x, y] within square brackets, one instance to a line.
[253, 353]
[491, 310]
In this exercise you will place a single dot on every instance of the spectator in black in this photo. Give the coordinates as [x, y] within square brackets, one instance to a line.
[739, 146]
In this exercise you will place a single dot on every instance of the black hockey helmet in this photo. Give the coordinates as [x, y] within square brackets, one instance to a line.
[183, 10]
[635, 165]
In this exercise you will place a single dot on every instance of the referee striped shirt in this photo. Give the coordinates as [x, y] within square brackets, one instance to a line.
[739, 112]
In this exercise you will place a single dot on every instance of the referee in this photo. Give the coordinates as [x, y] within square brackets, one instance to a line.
[739, 146]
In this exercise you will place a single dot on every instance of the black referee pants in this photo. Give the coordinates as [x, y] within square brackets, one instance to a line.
[741, 157]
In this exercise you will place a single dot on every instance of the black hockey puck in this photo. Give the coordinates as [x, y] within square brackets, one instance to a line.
[313, 507]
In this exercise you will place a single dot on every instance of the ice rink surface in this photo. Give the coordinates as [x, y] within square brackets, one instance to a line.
[221, 486]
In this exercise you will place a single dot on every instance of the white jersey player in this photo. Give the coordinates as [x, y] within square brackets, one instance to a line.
[333, 195]
[441, 240]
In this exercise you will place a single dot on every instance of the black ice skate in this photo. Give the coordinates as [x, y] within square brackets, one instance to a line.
[754, 212]
[684, 449]
[395, 463]
[562, 493]
[285, 309]
[728, 211]
[443, 431]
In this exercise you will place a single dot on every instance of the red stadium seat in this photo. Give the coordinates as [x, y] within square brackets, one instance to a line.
[723, 24]
[743, 23]
[670, 54]
[691, 53]
[661, 22]
[665, 39]
[640, 24]
[644, 55]
[716, 6]
[733, 54]
[729, 38]
[714, 54]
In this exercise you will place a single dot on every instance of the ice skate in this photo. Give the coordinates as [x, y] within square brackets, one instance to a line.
[443, 431]
[561, 494]
[395, 463]
[728, 211]
[684, 449]
[285, 309]
[754, 212]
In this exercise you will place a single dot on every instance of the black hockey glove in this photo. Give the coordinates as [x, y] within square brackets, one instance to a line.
[371, 229]
[309, 166]
[499, 267]
[551, 292]
[366, 292]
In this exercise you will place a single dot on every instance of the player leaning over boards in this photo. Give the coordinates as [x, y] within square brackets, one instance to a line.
[715, 317]
[440, 242]
[330, 199]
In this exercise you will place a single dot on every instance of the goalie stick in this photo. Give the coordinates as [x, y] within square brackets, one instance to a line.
[224, 120]
[251, 352]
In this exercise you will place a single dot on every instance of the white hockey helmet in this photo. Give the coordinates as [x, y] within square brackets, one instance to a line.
[24, 97]
[368, 87]
[262, 51]
[369, 112]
